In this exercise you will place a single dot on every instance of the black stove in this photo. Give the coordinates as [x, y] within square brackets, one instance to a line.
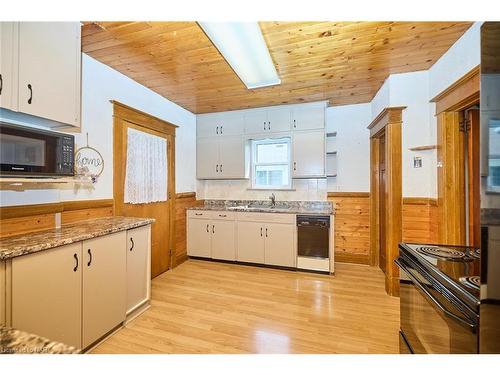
[450, 265]
[439, 290]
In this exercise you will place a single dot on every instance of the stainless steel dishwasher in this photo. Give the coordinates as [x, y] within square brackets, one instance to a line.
[313, 242]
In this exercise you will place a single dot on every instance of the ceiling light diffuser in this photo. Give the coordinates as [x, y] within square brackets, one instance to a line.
[244, 48]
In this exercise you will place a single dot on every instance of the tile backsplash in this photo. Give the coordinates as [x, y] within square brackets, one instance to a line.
[302, 190]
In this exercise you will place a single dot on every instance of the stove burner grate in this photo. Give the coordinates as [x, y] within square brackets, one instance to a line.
[442, 252]
[476, 253]
[473, 282]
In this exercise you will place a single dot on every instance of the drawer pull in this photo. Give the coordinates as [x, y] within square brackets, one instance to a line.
[198, 214]
[220, 215]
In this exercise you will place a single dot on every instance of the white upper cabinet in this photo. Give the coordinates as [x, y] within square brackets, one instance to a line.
[255, 121]
[308, 116]
[278, 120]
[9, 44]
[50, 70]
[220, 124]
[218, 158]
[262, 121]
[308, 154]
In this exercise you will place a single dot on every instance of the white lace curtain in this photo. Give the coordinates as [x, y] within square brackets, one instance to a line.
[146, 170]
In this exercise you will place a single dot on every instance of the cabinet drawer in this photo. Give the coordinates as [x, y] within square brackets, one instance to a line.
[197, 214]
[266, 217]
[223, 215]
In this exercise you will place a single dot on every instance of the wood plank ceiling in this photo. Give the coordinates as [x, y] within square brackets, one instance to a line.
[342, 62]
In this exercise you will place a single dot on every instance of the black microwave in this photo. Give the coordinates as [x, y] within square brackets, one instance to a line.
[32, 152]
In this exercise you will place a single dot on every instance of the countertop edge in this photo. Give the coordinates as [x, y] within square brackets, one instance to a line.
[262, 211]
[13, 341]
[5, 255]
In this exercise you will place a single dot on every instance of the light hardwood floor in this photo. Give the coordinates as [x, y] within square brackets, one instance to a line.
[208, 307]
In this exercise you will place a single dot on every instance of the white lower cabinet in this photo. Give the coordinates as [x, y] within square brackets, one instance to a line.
[251, 242]
[260, 238]
[104, 285]
[76, 294]
[211, 235]
[198, 240]
[47, 294]
[222, 244]
[138, 267]
[279, 245]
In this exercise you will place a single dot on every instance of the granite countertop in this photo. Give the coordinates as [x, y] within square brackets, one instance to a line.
[28, 243]
[282, 207]
[13, 341]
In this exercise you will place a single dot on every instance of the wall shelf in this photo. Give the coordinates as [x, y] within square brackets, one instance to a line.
[423, 148]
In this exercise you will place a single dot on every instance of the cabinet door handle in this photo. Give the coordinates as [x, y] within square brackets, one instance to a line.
[269, 125]
[266, 232]
[220, 167]
[221, 129]
[132, 242]
[31, 93]
[217, 168]
[294, 165]
[76, 260]
[261, 231]
[264, 125]
[90, 259]
[1, 84]
[207, 229]
[213, 228]
[217, 130]
[294, 124]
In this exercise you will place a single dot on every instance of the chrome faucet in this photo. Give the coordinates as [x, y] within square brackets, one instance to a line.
[273, 200]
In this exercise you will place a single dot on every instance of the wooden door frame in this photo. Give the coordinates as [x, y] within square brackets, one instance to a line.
[137, 117]
[388, 122]
[450, 103]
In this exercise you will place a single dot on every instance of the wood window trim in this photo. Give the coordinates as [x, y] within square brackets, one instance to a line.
[389, 123]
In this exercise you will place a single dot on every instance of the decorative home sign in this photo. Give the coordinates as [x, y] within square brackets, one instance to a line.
[89, 162]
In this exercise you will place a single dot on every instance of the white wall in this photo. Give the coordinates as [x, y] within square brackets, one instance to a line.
[353, 146]
[462, 57]
[100, 84]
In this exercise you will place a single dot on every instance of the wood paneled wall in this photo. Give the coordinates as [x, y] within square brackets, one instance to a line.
[38, 217]
[352, 226]
[182, 202]
[420, 220]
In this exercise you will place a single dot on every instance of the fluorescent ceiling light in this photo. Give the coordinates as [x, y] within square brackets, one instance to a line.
[244, 48]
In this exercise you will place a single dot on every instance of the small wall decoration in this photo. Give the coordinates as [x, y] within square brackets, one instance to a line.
[89, 162]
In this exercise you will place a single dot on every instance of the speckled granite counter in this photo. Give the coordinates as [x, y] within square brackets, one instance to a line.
[283, 207]
[14, 246]
[13, 341]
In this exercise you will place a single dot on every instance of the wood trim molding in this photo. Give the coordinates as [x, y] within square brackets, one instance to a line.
[460, 95]
[191, 194]
[389, 115]
[353, 194]
[10, 212]
[141, 118]
[420, 201]
[352, 258]
[387, 124]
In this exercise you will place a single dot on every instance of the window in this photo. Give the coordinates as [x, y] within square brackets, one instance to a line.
[271, 164]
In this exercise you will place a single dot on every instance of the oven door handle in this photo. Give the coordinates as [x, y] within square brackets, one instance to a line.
[421, 287]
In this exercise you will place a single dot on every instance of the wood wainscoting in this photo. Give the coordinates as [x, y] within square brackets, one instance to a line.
[420, 223]
[38, 217]
[352, 226]
[183, 201]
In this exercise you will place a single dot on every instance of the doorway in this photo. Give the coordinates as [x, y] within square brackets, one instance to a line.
[162, 230]
[470, 126]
